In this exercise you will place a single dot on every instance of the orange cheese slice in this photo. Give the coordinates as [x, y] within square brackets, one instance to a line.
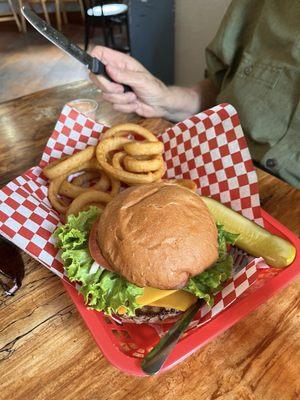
[152, 294]
[181, 300]
[177, 299]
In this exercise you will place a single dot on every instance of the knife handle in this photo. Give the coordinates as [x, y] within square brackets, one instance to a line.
[98, 68]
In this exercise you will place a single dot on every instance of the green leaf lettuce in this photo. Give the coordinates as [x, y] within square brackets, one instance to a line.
[206, 284]
[102, 290]
[210, 281]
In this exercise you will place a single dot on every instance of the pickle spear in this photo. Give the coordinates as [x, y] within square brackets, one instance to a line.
[252, 238]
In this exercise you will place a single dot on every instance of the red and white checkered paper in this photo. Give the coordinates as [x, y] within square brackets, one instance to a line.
[208, 148]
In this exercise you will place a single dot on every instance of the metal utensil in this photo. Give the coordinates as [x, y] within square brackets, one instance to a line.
[154, 360]
[65, 44]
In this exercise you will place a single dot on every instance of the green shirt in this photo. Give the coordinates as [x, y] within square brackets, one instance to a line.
[254, 61]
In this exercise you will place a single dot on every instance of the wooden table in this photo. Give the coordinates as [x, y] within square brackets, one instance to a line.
[46, 352]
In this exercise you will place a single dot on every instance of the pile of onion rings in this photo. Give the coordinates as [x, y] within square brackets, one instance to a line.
[69, 193]
[93, 176]
[131, 161]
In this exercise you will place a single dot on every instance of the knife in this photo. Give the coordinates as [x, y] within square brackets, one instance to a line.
[154, 360]
[65, 44]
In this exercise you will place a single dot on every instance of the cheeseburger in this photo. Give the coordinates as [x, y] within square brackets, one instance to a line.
[149, 255]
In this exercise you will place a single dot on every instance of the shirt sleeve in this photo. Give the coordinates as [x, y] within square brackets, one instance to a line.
[222, 52]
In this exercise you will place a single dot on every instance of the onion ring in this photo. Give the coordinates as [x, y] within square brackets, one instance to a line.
[115, 186]
[115, 143]
[103, 183]
[65, 166]
[124, 129]
[144, 148]
[132, 164]
[72, 191]
[85, 178]
[115, 183]
[117, 159]
[68, 189]
[90, 197]
[53, 163]
[53, 190]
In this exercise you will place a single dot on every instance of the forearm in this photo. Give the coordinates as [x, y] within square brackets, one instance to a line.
[182, 102]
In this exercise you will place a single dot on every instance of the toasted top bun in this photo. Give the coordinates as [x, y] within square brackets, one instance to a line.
[158, 235]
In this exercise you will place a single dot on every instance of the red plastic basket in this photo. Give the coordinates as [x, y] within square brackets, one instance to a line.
[208, 148]
[112, 337]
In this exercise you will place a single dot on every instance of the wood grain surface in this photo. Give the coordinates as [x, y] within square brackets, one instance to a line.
[29, 62]
[46, 352]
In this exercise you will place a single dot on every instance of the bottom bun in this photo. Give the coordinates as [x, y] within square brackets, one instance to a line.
[150, 315]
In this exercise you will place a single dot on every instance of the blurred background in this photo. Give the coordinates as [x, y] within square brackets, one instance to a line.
[167, 36]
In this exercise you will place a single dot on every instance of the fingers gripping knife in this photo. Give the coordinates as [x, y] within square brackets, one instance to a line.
[57, 38]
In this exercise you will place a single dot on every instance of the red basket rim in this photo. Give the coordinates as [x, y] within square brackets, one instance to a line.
[207, 332]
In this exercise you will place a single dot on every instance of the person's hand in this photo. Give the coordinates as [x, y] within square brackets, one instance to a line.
[148, 98]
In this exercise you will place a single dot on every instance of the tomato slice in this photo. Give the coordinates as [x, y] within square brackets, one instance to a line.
[94, 248]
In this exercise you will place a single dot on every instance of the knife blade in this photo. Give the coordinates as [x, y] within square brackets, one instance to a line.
[154, 360]
[65, 44]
